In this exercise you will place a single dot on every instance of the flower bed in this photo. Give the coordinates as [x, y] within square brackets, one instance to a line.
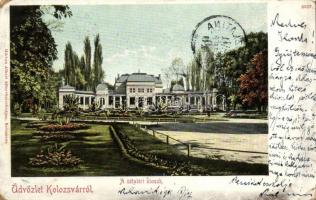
[55, 158]
[173, 167]
[64, 127]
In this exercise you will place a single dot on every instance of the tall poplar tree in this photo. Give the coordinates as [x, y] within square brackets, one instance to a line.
[87, 56]
[97, 62]
[68, 64]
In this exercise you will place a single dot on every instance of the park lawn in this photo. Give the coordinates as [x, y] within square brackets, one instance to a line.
[100, 155]
[147, 143]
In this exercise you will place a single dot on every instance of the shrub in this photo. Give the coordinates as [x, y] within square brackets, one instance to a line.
[55, 157]
[64, 127]
[17, 109]
[41, 115]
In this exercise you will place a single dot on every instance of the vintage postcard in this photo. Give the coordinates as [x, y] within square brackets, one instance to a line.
[158, 100]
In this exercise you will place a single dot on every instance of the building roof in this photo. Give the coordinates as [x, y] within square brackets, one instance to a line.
[158, 80]
[102, 86]
[67, 87]
[177, 87]
[140, 77]
[84, 92]
[122, 78]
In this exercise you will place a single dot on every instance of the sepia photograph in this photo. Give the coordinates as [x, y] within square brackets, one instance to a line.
[139, 90]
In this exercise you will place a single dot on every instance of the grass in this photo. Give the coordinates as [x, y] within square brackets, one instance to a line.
[147, 143]
[94, 146]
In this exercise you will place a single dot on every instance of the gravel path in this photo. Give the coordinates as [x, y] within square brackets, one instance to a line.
[237, 140]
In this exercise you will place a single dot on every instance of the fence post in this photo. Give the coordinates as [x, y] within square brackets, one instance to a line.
[189, 150]
[167, 139]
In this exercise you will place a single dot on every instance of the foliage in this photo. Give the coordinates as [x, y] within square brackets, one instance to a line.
[55, 157]
[79, 72]
[94, 106]
[87, 66]
[33, 50]
[71, 107]
[254, 83]
[233, 100]
[41, 114]
[97, 62]
[64, 127]
[223, 69]
[16, 109]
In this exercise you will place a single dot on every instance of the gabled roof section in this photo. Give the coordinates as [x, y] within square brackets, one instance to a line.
[140, 77]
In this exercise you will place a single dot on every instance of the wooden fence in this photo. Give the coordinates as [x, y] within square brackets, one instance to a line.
[168, 138]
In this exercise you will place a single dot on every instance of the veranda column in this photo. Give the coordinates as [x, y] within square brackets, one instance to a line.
[84, 102]
[127, 102]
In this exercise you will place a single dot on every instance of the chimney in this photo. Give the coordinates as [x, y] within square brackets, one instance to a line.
[158, 76]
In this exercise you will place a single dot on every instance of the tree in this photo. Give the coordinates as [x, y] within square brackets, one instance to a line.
[97, 62]
[254, 83]
[33, 50]
[87, 56]
[68, 65]
[205, 61]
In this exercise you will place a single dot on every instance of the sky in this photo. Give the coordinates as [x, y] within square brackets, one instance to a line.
[146, 38]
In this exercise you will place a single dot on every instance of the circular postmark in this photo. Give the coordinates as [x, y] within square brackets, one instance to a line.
[218, 32]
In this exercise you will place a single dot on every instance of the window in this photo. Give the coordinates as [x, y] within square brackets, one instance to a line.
[117, 102]
[102, 101]
[81, 101]
[141, 90]
[132, 90]
[132, 101]
[86, 101]
[110, 100]
[140, 102]
[150, 90]
[149, 100]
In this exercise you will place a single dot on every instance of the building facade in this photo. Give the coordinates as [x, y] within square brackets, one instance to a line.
[140, 90]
